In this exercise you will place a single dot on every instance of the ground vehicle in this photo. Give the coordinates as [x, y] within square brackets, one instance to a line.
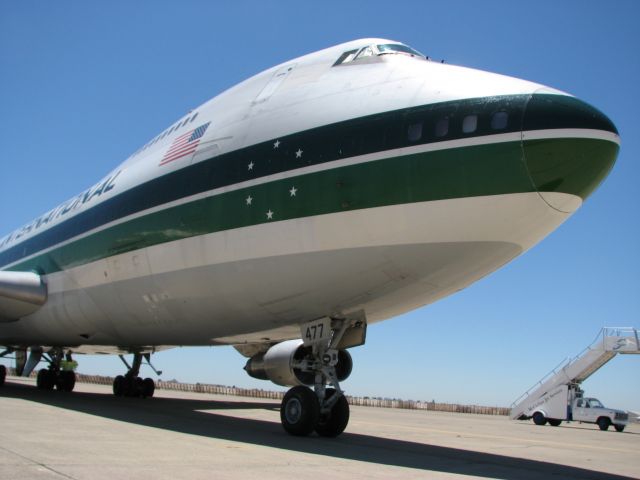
[567, 402]
[558, 395]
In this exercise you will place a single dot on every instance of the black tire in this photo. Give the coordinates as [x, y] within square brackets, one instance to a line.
[603, 423]
[119, 386]
[539, 419]
[66, 381]
[3, 374]
[46, 379]
[135, 387]
[148, 388]
[299, 411]
[554, 422]
[40, 378]
[334, 424]
[619, 428]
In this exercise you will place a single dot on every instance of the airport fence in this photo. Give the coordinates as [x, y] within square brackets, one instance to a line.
[277, 395]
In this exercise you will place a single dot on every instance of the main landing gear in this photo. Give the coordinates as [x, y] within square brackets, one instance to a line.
[60, 372]
[130, 384]
[324, 409]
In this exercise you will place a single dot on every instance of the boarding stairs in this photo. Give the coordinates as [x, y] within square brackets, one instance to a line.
[609, 342]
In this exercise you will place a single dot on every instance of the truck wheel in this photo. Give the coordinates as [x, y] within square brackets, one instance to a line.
[603, 423]
[539, 419]
[619, 428]
[554, 422]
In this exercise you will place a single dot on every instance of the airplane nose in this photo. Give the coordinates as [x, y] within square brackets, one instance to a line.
[569, 148]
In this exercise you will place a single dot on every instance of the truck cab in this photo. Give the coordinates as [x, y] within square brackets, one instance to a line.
[591, 410]
[567, 403]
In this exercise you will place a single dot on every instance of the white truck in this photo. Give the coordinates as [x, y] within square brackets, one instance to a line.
[558, 396]
[566, 402]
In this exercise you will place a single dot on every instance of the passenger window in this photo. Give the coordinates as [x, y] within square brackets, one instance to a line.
[414, 132]
[442, 127]
[470, 123]
[194, 117]
[499, 120]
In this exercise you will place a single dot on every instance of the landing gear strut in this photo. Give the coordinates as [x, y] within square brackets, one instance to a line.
[324, 409]
[130, 384]
[59, 374]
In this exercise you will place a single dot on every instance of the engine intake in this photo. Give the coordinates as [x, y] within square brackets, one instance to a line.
[276, 364]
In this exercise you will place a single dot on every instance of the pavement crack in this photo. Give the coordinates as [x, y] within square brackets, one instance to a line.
[39, 464]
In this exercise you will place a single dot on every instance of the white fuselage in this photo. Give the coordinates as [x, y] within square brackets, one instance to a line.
[267, 264]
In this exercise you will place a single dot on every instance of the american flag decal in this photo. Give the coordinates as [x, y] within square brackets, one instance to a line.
[184, 144]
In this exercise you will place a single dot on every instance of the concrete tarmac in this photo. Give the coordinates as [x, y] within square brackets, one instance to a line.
[90, 434]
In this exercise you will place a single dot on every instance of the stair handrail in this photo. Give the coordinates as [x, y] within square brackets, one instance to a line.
[600, 337]
[554, 371]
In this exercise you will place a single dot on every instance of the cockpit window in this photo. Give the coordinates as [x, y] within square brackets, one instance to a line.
[398, 48]
[346, 57]
[376, 51]
[365, 52]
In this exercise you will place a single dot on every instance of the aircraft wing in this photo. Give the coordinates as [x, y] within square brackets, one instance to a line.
[21, 294]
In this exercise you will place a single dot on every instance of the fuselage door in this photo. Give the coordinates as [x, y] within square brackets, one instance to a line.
[269, 89]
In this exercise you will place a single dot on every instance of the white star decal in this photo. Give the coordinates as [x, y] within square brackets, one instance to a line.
[250, 166]
[276, 144]
[299, 153]
[269, 215]
[293, 191]
[249, 200]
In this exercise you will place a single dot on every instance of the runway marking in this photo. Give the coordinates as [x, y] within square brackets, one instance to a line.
[496, 437]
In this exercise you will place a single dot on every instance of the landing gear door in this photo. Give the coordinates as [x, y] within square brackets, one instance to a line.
[356, 334]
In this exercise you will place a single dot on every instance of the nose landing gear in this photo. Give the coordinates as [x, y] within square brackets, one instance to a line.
[301, 413]
[335, 421]
[324, 409]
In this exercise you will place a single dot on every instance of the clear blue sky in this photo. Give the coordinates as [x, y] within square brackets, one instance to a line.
[84, 84]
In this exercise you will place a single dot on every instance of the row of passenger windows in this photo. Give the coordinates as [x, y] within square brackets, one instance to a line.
[499, 121]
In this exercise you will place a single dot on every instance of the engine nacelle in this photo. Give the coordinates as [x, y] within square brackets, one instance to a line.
[276, 364]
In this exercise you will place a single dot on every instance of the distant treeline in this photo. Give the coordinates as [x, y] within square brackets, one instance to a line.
[269, 394]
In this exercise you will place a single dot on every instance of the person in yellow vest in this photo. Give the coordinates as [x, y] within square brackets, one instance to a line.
[68, 364]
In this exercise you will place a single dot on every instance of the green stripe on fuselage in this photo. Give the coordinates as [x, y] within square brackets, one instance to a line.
[573, 165]
[372, 134]
[454, 173]
[459, 175]
[462, 172]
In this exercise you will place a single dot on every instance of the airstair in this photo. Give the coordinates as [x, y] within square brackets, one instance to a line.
[609, 342]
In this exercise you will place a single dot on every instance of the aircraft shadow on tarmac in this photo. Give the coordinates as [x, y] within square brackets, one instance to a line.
[186, 416]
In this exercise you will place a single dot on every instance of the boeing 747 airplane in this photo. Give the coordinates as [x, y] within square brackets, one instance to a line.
[287, 214]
